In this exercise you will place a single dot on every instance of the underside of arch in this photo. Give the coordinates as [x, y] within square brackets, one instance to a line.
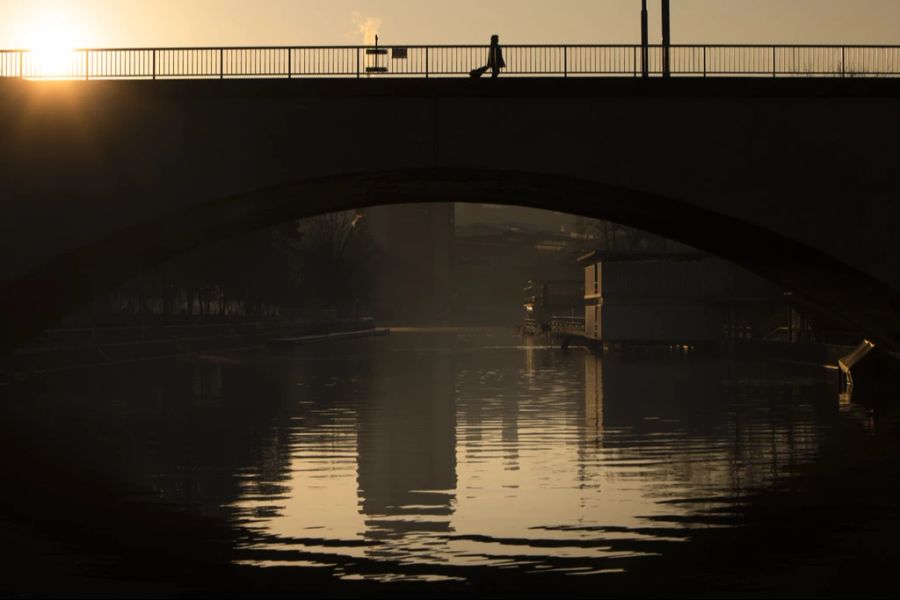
[40, 298]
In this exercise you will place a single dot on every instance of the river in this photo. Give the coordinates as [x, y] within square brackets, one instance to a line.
[427, 455]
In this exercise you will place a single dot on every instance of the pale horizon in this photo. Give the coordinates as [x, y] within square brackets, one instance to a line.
[107, 23]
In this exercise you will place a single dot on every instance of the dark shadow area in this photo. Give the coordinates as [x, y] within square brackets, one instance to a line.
[832, 288]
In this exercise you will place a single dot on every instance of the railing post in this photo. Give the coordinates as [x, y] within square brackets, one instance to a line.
[774, 62]
[221, 63]
[21, 70]
[357, 62]
[842, 62]
[87, 65]
[704, 61]
[426, 62]
[565, 61]
[290, 70]
[154, 64]
[634, 59]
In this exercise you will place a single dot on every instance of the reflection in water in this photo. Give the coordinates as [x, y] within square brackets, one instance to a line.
[406, 463]
[425, 452]
[593, 400]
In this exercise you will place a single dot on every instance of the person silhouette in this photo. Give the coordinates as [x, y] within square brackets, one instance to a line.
[495, 60]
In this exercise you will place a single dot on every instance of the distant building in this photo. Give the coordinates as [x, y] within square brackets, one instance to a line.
[493, 263]
[547, 299]
[415, 266]
[671, 298]
[687, 297]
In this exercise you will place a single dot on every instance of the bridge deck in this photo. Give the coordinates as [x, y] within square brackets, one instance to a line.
[535, 87]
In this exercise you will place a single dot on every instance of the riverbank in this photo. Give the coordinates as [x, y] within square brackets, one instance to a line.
[292, 342]
[74, 348]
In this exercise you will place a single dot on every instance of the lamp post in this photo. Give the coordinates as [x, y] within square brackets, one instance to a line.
[666, 38]
[644, 42]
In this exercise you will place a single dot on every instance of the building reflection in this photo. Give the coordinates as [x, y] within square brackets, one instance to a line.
[593, 400]
[757, 430]
[406, 461]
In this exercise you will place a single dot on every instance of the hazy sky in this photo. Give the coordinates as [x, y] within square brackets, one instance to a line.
[99, 23]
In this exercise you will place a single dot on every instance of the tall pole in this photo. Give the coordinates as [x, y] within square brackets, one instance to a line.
[644, 40]
[666, 38]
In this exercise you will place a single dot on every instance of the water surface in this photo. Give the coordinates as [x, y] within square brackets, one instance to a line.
[420, 455]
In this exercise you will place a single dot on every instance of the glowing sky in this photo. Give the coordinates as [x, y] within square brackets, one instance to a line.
[105, 23]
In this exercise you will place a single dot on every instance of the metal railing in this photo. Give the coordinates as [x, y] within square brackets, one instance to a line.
[448, 61]
[567, 325]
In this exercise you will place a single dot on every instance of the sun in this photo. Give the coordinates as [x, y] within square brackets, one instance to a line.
[51, 44]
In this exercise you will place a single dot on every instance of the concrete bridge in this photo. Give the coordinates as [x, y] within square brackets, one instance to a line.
[795, 179]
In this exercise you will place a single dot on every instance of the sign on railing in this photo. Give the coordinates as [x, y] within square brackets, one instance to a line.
[449, 61]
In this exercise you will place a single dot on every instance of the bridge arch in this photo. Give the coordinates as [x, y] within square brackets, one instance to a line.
[37, 299]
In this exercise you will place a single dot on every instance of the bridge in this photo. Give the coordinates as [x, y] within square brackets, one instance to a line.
[780, 160]
[563, 60]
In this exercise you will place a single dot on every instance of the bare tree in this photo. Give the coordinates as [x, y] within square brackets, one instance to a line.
[337, 256]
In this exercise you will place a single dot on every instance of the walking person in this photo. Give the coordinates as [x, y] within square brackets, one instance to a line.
[495, 60]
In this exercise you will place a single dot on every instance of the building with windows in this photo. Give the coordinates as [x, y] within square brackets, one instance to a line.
[642, 298]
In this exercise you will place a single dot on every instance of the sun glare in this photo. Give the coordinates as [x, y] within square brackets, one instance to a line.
[51, 42]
